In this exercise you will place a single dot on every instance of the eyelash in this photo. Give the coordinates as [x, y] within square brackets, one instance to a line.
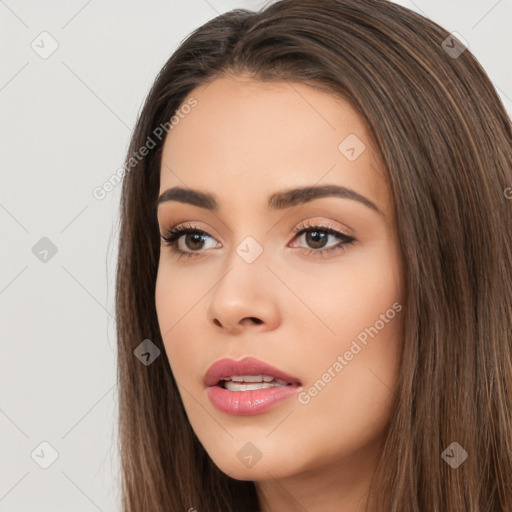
[171, 237]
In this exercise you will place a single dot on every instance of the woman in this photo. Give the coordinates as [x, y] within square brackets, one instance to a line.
[316, 237]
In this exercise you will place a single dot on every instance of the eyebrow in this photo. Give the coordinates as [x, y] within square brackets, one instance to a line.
[277, 201]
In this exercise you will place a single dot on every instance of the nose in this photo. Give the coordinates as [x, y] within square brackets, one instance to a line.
[239, 302]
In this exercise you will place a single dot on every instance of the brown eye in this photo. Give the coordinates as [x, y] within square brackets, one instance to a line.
[193, 240]
[316, 238]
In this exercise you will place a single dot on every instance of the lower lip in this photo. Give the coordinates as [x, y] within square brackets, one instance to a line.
[246, 403]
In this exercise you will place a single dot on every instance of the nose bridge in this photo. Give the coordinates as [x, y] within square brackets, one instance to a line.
[242, 293]
[247, 260]
[248, 237]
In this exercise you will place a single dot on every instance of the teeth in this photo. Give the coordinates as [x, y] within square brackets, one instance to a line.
[237, 386]
[251, 378]
[247, 378]
[249, 382]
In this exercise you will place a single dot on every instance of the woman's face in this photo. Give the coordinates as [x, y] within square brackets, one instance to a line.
[255, 287]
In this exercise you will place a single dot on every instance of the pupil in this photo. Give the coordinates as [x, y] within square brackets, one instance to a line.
[197, 238]
[314, 234]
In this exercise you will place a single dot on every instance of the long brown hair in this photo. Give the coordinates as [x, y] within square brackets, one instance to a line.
[446, 142]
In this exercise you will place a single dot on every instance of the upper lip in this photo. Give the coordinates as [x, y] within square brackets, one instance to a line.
[246, 366]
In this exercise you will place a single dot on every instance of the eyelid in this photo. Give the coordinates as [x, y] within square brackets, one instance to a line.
[307, 224]
[193, 226]
[312, 223]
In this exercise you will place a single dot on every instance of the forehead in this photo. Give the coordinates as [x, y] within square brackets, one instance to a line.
[258, 137]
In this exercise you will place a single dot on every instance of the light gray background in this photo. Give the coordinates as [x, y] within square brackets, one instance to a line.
[65, 126]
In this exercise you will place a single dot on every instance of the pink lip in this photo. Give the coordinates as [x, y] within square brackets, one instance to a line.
[250, 402]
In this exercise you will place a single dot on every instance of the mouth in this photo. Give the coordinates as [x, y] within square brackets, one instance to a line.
[247, 374]
[252, 382]
[248, 386]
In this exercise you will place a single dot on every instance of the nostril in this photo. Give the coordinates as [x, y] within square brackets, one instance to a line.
[246, 319]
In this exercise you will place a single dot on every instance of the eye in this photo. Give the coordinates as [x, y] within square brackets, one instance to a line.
[316, 236]
[194, 242]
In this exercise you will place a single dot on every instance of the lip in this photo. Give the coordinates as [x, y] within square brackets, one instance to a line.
[246, 366]
[245, 403]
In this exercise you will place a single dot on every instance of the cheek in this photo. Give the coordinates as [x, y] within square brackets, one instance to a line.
[179, 294]
[353, 373]
[349, 397]
[176, 299]
[338, 300]
[370, 327]
[369, 288]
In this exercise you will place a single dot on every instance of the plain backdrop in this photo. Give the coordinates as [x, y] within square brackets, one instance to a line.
[66, 119]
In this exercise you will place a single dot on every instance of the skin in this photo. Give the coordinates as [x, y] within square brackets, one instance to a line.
[243, 141]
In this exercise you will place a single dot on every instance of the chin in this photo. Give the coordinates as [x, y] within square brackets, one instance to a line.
[244, 463]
